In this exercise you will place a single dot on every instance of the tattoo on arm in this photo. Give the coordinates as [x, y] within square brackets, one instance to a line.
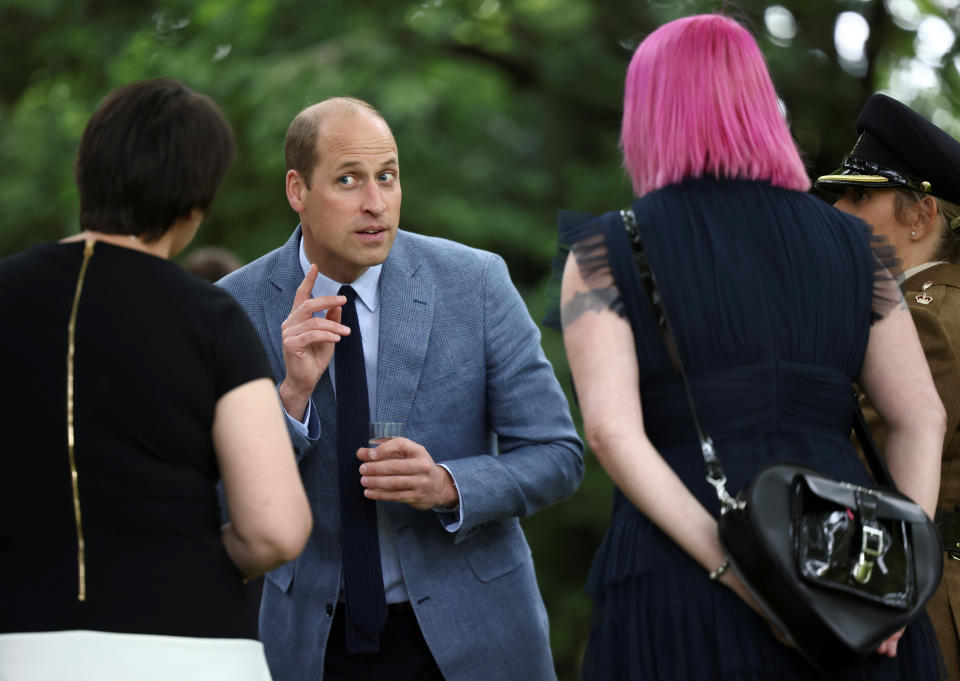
[596, 300]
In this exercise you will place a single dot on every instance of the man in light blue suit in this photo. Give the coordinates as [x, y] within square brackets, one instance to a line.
[449, 350]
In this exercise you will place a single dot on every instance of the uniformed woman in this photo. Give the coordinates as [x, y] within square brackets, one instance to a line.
[903, 177]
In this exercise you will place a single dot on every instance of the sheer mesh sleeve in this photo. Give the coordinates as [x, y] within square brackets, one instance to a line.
[887, 274]
[582, 234]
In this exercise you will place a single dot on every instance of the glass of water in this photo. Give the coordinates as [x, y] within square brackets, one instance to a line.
[381, 431]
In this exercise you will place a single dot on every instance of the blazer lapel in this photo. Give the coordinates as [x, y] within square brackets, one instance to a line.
[406, 315]
[283, 278]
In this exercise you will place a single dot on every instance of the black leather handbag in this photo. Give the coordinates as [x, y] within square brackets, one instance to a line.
[837, 567]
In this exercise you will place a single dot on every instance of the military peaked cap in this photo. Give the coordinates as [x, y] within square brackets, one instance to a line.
[899, 147]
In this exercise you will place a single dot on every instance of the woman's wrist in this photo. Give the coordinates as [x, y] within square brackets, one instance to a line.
[720, 570]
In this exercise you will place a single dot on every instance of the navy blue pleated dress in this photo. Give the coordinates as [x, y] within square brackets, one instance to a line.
[771, 294]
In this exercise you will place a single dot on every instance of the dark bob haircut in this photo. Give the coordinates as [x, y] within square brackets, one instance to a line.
[152, 152]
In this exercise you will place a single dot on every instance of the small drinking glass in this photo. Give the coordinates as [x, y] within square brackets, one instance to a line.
[381, 431]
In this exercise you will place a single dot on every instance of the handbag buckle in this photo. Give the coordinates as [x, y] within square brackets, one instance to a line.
[871, 545]
[727, 502]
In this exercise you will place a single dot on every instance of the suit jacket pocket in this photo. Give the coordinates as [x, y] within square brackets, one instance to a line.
[282, 577]
[498, 555]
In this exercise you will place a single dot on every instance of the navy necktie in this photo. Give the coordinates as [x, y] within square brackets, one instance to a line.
[366, 606]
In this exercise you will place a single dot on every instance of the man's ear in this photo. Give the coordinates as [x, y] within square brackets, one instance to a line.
[295, 189]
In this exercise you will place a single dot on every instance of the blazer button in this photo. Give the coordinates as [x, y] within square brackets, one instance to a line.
[329, 609]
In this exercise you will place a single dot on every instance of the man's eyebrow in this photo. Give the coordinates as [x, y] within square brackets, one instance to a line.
[350, 165]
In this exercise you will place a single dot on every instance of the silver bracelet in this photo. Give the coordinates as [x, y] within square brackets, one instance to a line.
[719, 572]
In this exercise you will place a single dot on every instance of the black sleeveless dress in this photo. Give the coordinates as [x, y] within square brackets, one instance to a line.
[771, 294]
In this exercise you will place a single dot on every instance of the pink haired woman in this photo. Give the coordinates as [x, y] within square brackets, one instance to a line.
[777, 304]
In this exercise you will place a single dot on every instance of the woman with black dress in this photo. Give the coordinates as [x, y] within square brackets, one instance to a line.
[130, 388]
[777, 304]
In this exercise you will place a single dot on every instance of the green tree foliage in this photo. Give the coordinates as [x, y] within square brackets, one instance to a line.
[504, 112]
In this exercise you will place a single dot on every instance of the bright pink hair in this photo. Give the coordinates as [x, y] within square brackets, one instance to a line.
[699, 100]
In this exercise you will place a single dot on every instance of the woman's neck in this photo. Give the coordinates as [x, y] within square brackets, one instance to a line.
[159, 248]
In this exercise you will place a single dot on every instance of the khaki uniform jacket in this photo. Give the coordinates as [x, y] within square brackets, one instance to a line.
[936, 314]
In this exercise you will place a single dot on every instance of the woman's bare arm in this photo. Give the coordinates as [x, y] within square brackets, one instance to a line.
[270, 518]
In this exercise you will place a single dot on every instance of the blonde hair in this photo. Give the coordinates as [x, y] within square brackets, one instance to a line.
[948, 218]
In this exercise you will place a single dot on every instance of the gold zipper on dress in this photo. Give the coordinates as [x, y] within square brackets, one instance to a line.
[71, 338]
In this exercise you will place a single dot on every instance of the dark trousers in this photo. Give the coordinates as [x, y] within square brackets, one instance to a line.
[403, 655]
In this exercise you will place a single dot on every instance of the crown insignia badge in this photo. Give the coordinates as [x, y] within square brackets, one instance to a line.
[924, 299]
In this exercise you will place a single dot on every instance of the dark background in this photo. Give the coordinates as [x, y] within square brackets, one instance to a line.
[504, 112]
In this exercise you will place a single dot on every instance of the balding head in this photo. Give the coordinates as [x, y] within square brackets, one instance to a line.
[300, 144]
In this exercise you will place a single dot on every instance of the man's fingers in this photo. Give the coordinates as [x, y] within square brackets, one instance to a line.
[399, 470]
[334, 313]
[321, 303]
[411, 487]
[314, 324]
[399, 466]
[393, 483]
[394, 448]
[401, 496]
[309, 307]
[306, 286]
[418, 499]
[302, 341]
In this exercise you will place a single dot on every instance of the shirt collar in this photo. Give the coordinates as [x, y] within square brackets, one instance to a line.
[367, 285]
[917, 270]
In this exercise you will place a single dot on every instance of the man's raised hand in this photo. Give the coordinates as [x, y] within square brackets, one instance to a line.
[308, 343]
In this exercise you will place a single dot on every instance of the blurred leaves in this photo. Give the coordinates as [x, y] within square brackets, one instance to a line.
[504, 111]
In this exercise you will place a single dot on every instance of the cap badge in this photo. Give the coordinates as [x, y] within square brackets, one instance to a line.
[925, 186]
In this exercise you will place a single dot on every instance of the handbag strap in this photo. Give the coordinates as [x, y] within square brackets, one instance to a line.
[715, 475]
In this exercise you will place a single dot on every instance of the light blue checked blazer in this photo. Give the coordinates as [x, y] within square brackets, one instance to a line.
[459, 359]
